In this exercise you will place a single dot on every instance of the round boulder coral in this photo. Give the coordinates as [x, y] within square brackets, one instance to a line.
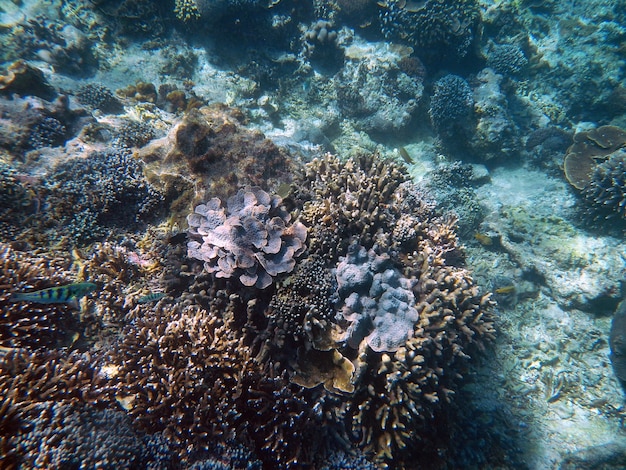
[606, 191]
[451, 102]
[250, 239]
[439, 28]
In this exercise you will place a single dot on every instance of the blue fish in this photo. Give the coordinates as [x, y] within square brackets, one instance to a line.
[56, 295]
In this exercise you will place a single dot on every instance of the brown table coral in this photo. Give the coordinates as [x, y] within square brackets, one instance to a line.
[589, 149]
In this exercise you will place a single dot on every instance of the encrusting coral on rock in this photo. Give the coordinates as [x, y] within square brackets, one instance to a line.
[377, 300]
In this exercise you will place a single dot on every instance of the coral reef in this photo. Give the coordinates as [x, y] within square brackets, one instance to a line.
[359, 209]
[438, 28]
[228, 456]
[105, 189]
[64, 436]
[31, 377]
[342, 460]
[47, 132]
[360, 202]
[250, 239]
[451, 104]
[321, 46]
[134, 134]
[139, 18]
[213, 389]
[589, 148]
[27, 324]
[186, 10]
[606, 190]
[143, 92]
[15, 196]
[376, 300]
[63, 46]
[99, 97]
[302, 303]
[507, 59]
[594, 164]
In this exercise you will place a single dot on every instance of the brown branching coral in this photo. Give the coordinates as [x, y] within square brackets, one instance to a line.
[27, 324]
[345, 200]
[198, 382]
[394, 395]
[39, 376]
[187, 359]
[273, 368]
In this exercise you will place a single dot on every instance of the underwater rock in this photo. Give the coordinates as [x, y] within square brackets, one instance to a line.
[377, 95]
[209, 151]
[454, 188]
[496, 135]
[617, 341]
[611, 456]
[25, 80]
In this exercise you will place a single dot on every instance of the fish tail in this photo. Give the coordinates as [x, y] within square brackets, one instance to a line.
[17, 297]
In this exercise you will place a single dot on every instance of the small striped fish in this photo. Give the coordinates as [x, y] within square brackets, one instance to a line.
[153, 297]
[56, 295]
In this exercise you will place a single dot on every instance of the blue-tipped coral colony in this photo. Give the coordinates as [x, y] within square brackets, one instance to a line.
[307, 234]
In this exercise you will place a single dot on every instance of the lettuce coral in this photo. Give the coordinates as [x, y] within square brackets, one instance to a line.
[250, 238]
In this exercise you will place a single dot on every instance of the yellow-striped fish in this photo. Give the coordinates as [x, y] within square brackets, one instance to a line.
[505, 290]
[56, 295]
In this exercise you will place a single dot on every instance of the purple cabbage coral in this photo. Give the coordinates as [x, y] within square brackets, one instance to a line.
[251, 238]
